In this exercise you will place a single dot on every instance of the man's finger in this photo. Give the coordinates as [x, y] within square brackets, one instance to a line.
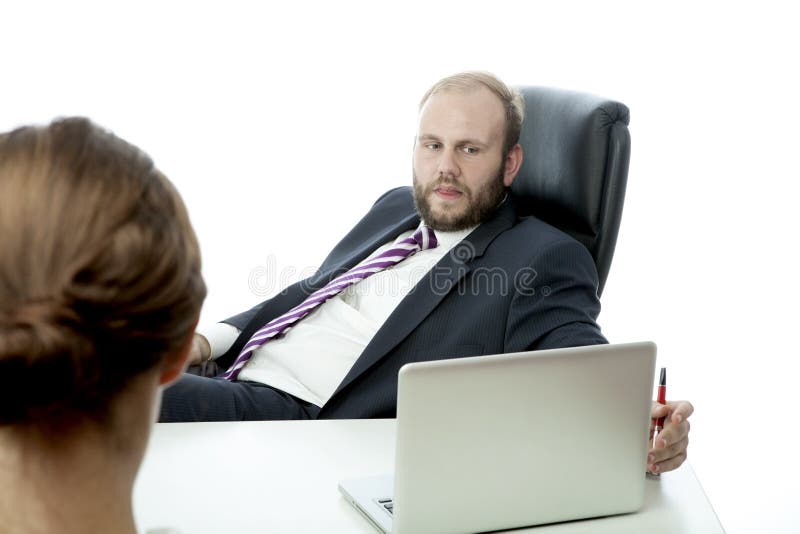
[659, 410]
[667, 465]
[681, 410]
[660, 454]
[674, 432]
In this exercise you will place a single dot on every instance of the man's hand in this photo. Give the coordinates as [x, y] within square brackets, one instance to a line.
[200, 351]
[671, 443]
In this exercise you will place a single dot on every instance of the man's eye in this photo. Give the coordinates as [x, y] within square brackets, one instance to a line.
[469, 150]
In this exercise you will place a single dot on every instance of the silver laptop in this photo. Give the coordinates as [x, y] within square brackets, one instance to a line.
[512, 440]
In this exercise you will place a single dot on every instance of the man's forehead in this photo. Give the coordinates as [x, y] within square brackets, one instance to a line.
[468, 112]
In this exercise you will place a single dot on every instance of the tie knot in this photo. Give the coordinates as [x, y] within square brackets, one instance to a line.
[425, 238]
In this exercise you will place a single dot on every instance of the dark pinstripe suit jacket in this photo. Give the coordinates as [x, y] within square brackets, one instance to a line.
[513, 284]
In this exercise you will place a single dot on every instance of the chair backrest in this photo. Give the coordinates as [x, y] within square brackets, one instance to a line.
[576, 152]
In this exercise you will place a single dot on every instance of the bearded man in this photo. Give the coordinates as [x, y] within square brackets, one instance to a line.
[445, 269]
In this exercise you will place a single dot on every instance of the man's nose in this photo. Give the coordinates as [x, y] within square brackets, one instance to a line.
[448, 166]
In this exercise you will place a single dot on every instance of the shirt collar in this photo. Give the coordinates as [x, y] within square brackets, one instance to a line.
[448, 240]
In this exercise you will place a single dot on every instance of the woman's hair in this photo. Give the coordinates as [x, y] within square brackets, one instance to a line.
[99, 271]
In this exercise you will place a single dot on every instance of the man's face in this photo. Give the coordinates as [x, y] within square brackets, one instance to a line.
[460, 173]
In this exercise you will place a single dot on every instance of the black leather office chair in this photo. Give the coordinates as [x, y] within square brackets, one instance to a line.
[576, 152]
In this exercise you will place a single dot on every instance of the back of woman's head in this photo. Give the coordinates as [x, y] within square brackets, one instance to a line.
[99, 271]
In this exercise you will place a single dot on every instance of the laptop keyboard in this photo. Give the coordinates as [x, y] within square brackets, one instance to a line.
[387, 504]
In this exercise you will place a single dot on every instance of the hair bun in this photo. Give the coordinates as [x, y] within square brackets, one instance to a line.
[39, 328]
[41, 347]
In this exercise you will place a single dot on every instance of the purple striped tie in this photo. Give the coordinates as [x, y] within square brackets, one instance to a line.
[422, 239]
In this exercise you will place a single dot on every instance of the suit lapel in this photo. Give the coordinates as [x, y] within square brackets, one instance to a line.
[430, 291]
[295, 294]
[379, 237]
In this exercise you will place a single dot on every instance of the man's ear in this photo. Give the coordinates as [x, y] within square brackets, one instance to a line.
[175, 364]
[512, 164]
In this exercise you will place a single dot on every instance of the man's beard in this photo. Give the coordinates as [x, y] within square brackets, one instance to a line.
[480, 204]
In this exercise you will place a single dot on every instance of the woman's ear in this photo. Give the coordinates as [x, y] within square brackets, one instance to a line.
[175, 364]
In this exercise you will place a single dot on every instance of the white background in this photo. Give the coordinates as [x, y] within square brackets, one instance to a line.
[281, 125]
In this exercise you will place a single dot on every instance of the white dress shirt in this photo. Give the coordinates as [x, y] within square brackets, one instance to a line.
[314, 356]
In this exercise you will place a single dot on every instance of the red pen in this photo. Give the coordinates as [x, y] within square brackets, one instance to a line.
[662, 399]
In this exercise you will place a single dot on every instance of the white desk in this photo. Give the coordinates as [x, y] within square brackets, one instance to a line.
[191, 480]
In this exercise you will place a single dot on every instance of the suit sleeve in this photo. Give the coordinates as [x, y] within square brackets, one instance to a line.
[555, 303]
